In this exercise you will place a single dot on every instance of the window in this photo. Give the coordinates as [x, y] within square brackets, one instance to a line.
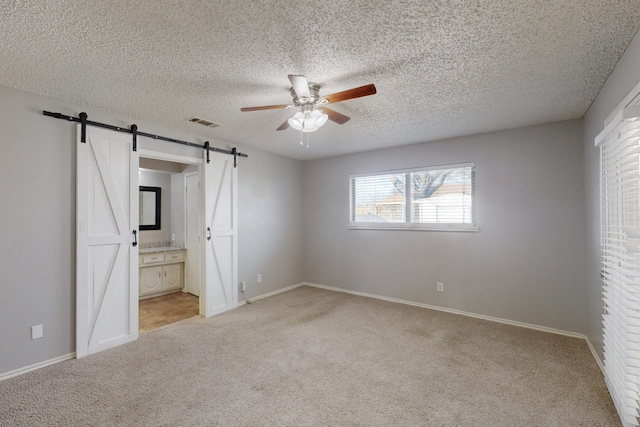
[438, 198]
[619, 146]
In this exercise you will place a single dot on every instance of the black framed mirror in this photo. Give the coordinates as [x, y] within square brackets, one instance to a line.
[149, 208]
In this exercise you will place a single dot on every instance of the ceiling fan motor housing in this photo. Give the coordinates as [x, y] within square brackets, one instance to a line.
[314, 90]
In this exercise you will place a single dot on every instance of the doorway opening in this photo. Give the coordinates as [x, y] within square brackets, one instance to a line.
[170, 250]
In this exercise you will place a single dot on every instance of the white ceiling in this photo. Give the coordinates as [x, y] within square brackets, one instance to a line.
[442, 68]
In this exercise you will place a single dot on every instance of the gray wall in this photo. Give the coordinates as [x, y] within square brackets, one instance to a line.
[37, 190]
[622, 80]
[527, 261]
[270, 202]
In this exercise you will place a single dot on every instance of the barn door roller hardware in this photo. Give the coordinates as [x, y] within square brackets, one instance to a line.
[82, 119]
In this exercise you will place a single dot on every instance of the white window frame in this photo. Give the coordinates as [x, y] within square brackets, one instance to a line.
[360, 225]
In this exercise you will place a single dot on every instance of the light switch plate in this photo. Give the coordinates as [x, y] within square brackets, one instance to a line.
[36, 332]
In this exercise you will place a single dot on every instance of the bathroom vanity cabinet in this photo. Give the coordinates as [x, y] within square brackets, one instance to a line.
[161, 272]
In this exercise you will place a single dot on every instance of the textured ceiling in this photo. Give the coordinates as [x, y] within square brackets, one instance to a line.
[442, 68]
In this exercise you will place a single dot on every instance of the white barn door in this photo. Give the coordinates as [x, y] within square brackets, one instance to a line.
[106, 228]
[221, 268]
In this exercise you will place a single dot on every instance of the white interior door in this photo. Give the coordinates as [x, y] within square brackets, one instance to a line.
[106, 260]
[221, 268]
[194, 234]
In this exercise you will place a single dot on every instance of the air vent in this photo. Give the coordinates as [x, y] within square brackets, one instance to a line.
[204, 122]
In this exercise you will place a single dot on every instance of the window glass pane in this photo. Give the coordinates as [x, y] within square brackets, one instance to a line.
[442, 196]
[378, 198]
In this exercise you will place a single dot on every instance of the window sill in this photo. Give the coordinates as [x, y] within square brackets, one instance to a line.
[399, 228]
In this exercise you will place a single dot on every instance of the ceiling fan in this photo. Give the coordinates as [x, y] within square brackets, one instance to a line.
[313, 113]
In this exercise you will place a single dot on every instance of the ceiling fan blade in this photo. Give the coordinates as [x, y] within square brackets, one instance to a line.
[334, 116]
[266, 107]
[300, 86]
[351, 93]
[284, 125]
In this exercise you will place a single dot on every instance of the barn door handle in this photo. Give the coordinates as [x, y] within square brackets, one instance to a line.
[135, 238]
[209, 231]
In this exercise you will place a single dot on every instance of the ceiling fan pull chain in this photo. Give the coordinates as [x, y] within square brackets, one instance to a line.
[304, 121]
[307, 141]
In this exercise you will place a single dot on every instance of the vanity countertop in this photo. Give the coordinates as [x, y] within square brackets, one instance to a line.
[163, 249]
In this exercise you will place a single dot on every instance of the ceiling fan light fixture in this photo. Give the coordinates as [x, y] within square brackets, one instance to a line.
[306, 96]
[308, 121]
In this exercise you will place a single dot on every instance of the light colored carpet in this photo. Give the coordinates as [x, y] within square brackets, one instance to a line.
[310, 357]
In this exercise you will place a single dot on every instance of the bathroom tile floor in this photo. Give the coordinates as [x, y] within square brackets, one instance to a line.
[166, 309]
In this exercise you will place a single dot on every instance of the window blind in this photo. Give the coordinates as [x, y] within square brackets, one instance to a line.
[437, 197]
[620, 247]
[449, 203]
[378, 198]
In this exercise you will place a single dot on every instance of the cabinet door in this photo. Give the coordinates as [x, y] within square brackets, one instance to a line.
[150, 280]
[172, 277]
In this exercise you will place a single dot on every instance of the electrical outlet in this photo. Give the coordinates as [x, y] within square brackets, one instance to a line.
[440, 287]
[36, 332]
[259, 278]
[244, 286]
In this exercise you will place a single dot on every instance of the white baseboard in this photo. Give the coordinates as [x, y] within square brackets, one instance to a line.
[270, 294]
[39, 365]
[469, 314]
[595, 355]
[35, 366]
[453, 311]
[447, 310]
